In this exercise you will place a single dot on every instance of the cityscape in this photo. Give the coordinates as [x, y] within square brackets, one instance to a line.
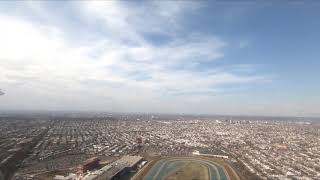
[48, 147]
[159, 90]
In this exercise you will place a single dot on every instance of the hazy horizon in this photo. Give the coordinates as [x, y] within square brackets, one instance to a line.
[95, 112]
[191, 57]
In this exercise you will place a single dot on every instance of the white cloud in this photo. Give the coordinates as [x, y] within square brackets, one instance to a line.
[122, 71]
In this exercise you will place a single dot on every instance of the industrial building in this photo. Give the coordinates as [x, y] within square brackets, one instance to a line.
[88, 165]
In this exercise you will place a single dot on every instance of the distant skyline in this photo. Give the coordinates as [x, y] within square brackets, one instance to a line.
[203, 57]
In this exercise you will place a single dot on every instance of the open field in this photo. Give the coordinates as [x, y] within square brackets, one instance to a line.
[185, 168]
[193, 170]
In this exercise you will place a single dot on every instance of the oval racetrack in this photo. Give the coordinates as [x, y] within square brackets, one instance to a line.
[186, 168]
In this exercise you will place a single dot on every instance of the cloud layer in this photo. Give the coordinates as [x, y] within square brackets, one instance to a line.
[113, 56]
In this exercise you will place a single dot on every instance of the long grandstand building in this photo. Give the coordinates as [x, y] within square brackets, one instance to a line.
[115, 169]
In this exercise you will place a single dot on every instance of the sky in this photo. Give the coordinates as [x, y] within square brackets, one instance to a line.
[202, 57]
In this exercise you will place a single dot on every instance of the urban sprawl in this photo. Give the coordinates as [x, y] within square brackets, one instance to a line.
[56, 146]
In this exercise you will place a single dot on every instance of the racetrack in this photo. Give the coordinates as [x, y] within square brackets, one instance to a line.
[184, 168]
